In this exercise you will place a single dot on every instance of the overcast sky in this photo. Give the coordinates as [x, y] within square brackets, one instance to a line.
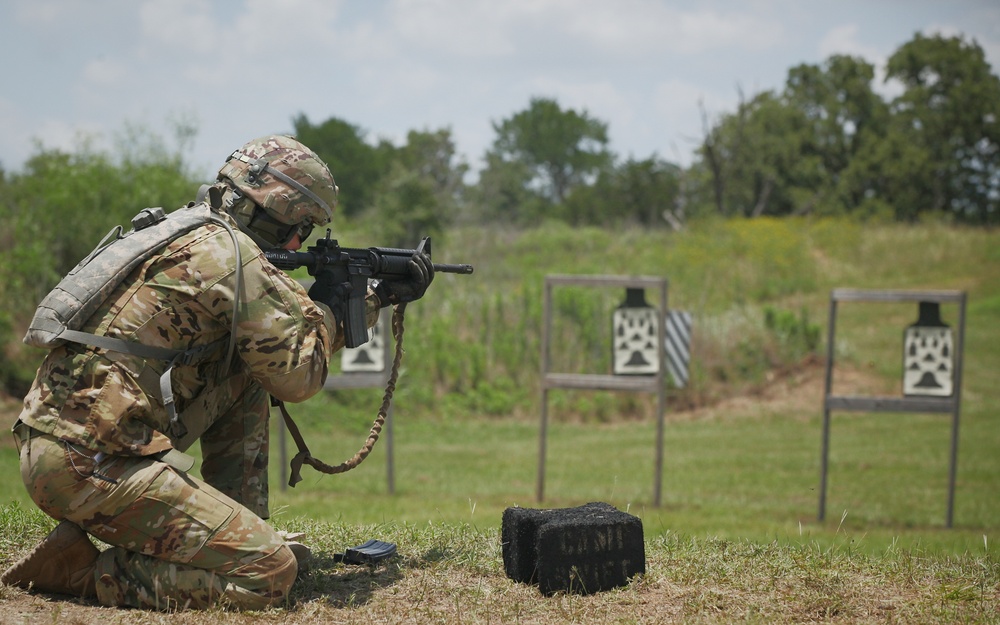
[240, 69]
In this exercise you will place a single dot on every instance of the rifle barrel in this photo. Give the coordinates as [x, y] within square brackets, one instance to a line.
[449, 268]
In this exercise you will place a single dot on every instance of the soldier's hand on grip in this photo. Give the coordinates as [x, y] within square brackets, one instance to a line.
[329, 291]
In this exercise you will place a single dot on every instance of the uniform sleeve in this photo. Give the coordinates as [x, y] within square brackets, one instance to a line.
[284, 338]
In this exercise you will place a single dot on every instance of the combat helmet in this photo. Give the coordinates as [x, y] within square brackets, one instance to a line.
[290, 189]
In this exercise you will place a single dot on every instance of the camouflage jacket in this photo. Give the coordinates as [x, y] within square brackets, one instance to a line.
[180, 298]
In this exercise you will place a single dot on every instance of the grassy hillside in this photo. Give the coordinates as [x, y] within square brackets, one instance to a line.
[758, 290]
[742, 443]
[736, 537]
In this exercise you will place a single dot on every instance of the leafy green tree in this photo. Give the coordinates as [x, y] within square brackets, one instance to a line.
[554, 151]
[797, 151]
[950, 114]
[422, 192]
[59, 207]
[357, 166]
[759, 159]
[503, 193]
[838, 101]
[407, 208]
[884, 178]
[846, 119]
[434, 157]
[643, 192]
[63, 203]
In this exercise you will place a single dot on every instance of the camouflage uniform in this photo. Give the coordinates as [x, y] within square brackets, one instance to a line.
[93, 426]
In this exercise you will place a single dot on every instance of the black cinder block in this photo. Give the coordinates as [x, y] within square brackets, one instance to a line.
[583, 550]
[519, 537]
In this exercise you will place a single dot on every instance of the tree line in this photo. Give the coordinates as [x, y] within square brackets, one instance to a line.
[826, 143]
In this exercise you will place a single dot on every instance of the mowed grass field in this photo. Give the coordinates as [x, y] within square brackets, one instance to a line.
[748, 468]
[744, 469]
[735, 539]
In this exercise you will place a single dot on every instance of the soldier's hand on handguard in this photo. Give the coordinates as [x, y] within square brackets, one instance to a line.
[391, 292]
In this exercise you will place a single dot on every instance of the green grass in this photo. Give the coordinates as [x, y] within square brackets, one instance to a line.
[736, 536]
[466, 431]
[453, 573]
[728, 475]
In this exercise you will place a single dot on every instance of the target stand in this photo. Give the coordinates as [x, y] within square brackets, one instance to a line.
[652, 381]
[927, 389]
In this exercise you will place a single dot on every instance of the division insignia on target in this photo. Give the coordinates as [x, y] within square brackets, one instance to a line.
[636, 346]
[928, 361]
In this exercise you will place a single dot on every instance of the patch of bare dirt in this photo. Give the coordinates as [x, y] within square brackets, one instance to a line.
[797, 391]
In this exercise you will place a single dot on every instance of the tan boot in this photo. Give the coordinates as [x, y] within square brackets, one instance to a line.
[62, 563]
[303, 555]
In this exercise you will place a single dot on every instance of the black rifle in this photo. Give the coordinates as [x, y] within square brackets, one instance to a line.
[354, 267]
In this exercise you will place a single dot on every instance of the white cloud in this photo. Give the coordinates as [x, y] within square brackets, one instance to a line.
[702, 31]
[642, 26]
[182, 27]
[104, 72]
[843, 39]
[46, 11]
[285, 29]
[621, 29]
[469, 29]
[245, 67]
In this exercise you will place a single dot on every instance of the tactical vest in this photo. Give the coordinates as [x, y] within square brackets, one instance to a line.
[76, 298]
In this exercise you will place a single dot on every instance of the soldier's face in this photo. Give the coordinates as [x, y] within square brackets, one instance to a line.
[295, 243]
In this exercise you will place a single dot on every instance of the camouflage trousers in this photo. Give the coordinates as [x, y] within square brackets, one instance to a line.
[230, 420]
[176, 542]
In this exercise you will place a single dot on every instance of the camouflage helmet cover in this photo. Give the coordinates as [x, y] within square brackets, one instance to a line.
[285, 178]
